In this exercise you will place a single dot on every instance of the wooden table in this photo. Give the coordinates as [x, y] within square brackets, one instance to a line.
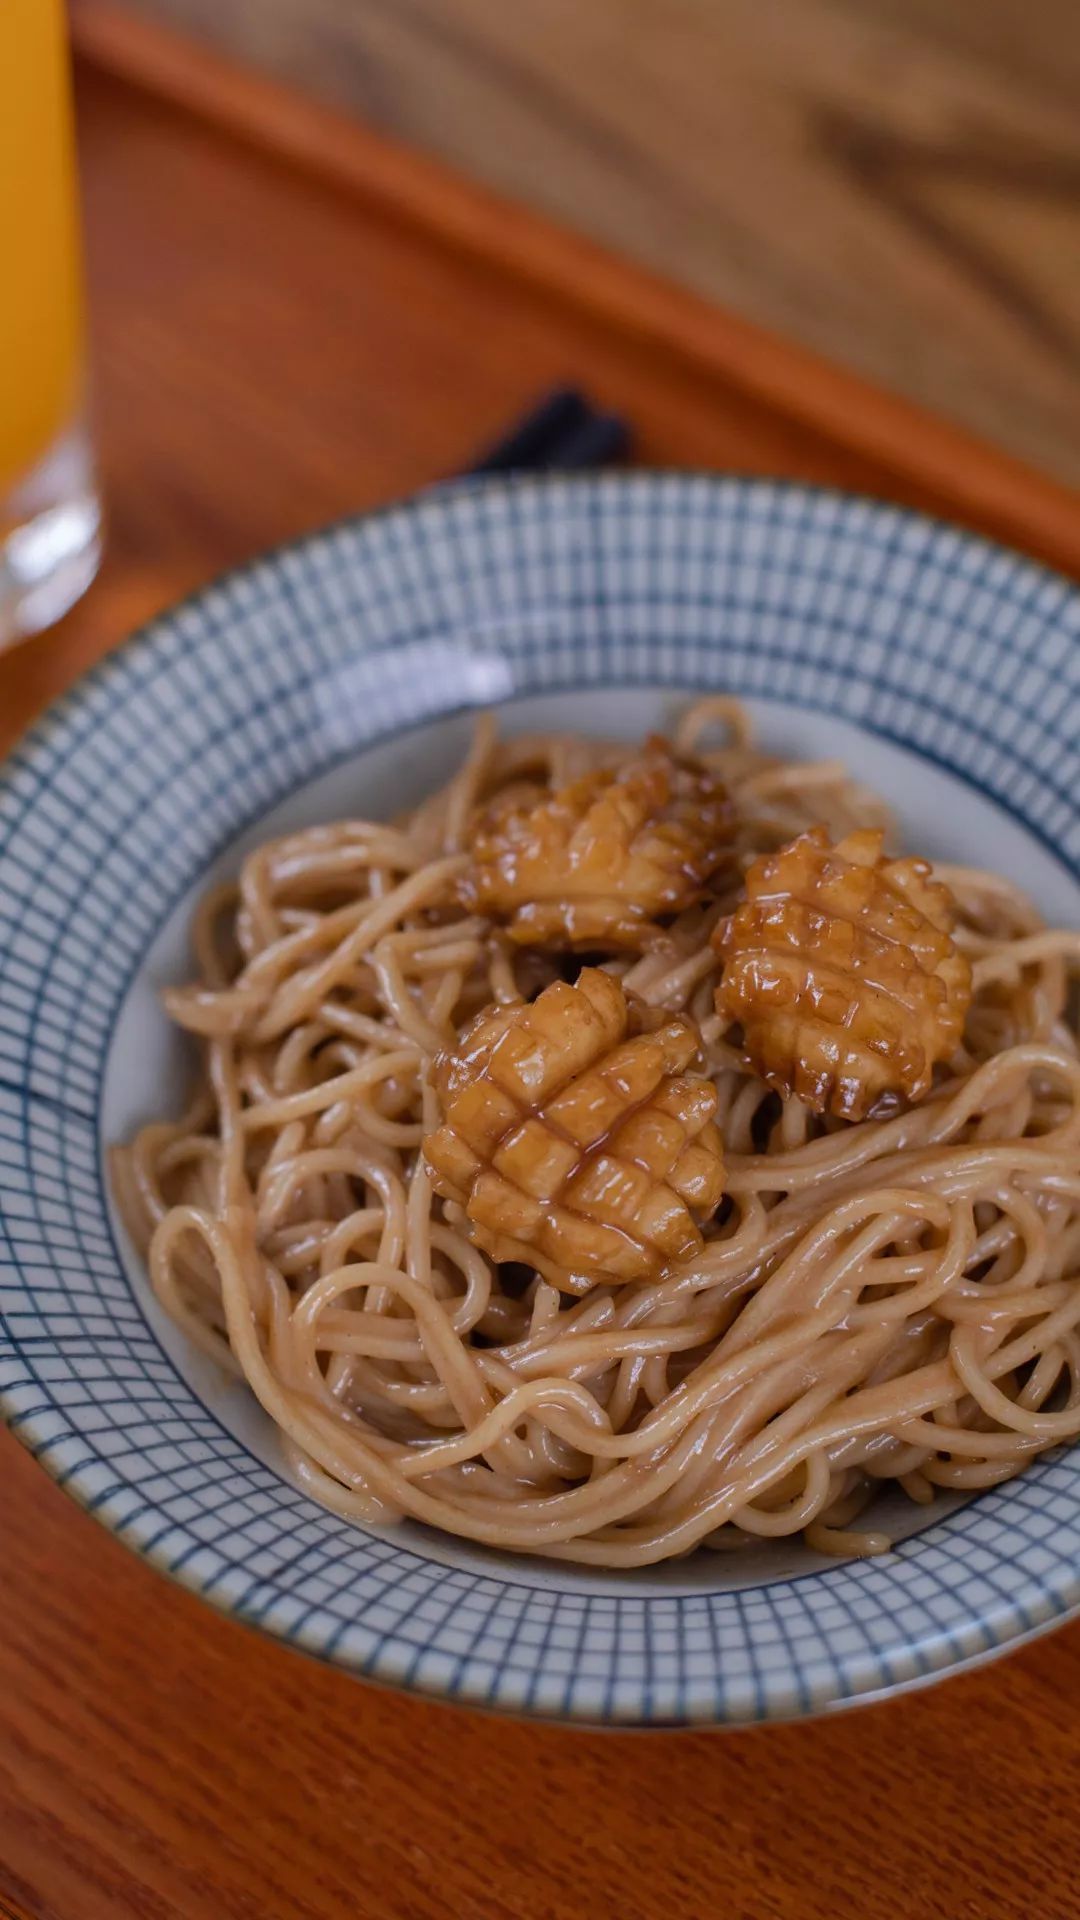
[893, 182]
[291, 319]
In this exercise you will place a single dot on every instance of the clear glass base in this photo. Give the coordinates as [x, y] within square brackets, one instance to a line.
[50, 538]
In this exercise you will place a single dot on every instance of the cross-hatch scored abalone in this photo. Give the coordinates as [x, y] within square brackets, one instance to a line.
[575, 1141]
[596, 863]
[841, 969]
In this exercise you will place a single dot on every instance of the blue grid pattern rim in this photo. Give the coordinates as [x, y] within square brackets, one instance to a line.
[133, 783]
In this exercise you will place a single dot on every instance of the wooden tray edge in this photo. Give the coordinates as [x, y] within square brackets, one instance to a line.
[966, 478]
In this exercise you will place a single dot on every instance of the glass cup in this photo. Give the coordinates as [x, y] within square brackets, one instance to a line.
[50, 516]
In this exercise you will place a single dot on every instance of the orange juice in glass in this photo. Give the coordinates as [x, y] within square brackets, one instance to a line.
[49, 512]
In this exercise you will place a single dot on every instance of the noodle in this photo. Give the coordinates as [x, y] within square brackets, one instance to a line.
[891, 1301]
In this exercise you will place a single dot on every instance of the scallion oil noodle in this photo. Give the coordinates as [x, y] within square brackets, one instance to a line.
[896, 1300]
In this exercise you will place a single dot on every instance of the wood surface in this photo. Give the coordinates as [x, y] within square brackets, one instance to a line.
[893, 182]
[286, 326]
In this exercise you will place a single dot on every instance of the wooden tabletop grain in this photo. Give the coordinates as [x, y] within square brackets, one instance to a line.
[288, 325]
[894, 182]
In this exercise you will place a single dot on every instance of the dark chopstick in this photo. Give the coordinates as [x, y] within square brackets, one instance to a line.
[563, 433]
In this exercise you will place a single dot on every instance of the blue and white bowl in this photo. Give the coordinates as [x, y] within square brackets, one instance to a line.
[335, 675]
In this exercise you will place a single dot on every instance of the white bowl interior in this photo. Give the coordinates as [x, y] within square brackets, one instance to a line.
[149, 1062]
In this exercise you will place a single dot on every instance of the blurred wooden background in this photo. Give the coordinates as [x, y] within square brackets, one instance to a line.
[893, 182]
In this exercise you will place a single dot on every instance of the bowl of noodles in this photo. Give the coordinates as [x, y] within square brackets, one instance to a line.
[540, 1143]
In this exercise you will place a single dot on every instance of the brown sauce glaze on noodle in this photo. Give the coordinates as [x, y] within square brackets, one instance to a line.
[894, 1300]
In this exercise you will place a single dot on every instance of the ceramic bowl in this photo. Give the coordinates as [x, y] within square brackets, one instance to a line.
[339, 674]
